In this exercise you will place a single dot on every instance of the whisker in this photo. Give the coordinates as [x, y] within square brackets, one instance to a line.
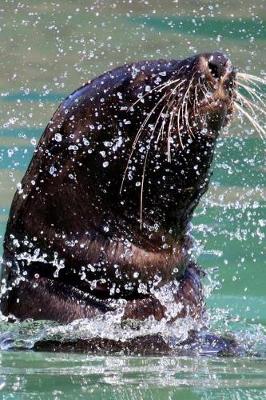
[187, 120]
[184, 107]
[252, 93]
[173, 92]
[195, 98]
[178, 128]
[258, 128]
[138, 136]
[161, 131]
[142, 185]
[169, 137]
[169, 110]
[204, 92]
[158, 88]
[169, 104]
[255, 85]
[172, 113]
[157, 121]
[251, 104]
[255, 78]
[256, 88]
[149, 115]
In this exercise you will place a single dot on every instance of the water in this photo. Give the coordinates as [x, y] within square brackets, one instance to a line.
[71, 376]
[48, 50]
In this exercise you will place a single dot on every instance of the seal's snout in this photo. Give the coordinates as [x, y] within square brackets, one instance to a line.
[221, 72]
[219, 65]
[216, 68]
[218, 78]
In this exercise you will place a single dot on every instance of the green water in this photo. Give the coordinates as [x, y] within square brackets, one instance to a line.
[85, 377]
[47, 50]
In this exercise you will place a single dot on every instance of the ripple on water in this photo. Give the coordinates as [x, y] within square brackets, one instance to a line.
[111, 377]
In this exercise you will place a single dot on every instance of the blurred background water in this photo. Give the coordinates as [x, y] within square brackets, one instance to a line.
[47, 50]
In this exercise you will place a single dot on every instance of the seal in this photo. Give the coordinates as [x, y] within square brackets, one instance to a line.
[102, 214]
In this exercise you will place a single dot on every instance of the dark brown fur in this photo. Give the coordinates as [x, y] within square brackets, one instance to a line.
[73, 209]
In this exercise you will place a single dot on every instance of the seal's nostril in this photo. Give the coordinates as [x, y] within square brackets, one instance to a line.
[217, 64]
[214, 69]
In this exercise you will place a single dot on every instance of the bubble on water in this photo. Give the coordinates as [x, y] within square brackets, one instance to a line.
[10, 152]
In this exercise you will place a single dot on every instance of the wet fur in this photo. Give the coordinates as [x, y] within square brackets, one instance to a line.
[86, 214]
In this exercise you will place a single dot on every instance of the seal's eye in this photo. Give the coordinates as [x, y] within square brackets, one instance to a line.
[217, 64]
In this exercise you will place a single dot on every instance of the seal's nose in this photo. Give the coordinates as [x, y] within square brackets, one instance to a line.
[219, 65]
